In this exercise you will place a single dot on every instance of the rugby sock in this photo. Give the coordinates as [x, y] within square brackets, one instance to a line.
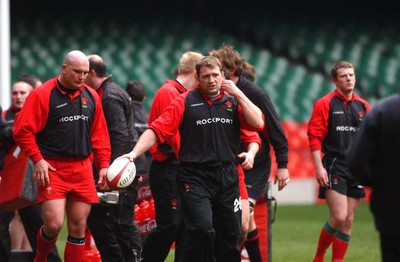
[74, 249]
[326, 238]
[339, 246]
[253, 247]
[44, 244]
[242, 241]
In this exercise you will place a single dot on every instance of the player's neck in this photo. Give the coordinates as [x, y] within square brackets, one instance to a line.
[347, 95]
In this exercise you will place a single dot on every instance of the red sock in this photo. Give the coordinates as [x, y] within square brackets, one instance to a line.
[339, 247]
[326, 237]
[74, 249]
[241, 244]
[43, 246]
[88, 239]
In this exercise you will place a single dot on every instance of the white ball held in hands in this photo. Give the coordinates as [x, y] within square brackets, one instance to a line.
[121, 173]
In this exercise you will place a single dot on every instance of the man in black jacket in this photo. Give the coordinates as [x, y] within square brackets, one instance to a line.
[114, 232]
[136, 91]
[373, 161]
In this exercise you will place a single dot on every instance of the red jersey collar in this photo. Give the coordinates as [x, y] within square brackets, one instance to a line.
[207, 98]
[342, 97]
[72, 95]
[177, 85]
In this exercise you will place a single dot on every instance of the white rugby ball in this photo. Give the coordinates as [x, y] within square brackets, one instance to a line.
[121, 173]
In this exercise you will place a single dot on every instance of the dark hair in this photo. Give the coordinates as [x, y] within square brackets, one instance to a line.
[97, 64]
[30, 79]
[338, 65]
[249, 71]
[136, 90]
[230, 58]
[208, 61]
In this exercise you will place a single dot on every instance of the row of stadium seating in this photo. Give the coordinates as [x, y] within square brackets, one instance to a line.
[149, 53]
[373, 48]
[293, 71]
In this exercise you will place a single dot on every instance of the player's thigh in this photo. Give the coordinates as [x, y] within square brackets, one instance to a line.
[337, 204]
[77, 213]
[53, 213]
[245, 216]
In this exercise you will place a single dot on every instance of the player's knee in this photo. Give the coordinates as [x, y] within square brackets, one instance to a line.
[53, 228]
[252, 204]
[338, 220]
[76, 227]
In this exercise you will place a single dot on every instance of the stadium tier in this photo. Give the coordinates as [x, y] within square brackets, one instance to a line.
[292, 60]
[149, 52]
[372, 46]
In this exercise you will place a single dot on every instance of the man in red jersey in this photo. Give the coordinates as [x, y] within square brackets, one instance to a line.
[60, 126]
[208, 120]
[164, 167]
[334, 122]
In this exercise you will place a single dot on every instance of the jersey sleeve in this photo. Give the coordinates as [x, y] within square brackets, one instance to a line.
[243, 123]
[29, 121]
[317, 128]
[167, 124]
[248, 137]
[163, 98]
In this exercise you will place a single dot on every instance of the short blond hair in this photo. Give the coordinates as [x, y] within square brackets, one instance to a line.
[188, 61]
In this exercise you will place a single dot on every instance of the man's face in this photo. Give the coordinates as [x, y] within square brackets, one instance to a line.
[89, 79]
[20, 92]
[75, 73]
[345, 80]
[210, 80]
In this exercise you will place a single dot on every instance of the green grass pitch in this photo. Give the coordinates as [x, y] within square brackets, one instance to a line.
[296, 230]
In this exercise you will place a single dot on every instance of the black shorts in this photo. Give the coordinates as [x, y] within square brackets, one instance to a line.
[256, 180]
[340, 179]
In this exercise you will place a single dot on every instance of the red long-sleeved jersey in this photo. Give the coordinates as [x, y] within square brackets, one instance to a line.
[55, 123]
[165, 95]
[333, 123]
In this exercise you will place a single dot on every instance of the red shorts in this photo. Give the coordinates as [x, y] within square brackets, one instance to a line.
[242, 184]
[73, 180]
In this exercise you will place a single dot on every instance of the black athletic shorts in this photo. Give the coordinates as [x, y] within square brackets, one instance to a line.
[340, 179]
[256, 180]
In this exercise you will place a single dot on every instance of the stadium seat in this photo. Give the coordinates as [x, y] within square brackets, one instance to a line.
[292, 60]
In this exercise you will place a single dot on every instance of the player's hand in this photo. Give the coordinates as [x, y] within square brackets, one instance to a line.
[131, 155]
[248, 160]
[41, 172]
[230, 87]
[102, 182]
[282, 178]
[322, 177]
